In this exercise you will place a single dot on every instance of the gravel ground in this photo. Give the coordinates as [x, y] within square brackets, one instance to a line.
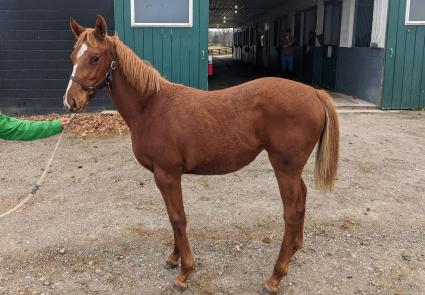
[99, 225]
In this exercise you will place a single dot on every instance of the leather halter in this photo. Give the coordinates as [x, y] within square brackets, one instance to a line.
[105, 81]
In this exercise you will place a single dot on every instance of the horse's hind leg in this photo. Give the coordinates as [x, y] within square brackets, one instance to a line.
[169, 183]
[293, 193]
[299, 241]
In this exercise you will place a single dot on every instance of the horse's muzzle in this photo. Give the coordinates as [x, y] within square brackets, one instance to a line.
[71, 105]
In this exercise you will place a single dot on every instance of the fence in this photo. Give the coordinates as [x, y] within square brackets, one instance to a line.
[220, 51]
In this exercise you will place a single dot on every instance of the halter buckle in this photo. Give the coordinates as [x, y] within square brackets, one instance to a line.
[113, 65]
[108, 78]
[90, 91]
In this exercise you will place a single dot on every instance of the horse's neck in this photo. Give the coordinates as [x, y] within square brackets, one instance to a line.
[127, 100]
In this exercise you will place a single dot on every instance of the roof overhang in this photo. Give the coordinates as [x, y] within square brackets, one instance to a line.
[236, 13]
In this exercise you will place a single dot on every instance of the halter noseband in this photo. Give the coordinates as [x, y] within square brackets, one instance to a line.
[105, 81]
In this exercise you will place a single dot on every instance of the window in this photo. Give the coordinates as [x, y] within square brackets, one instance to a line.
[161, 13]
[415, 12]
[363, 23]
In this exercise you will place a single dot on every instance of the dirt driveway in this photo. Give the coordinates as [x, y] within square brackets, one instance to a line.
[99, 226]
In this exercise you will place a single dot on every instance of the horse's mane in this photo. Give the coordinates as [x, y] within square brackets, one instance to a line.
[139, 74]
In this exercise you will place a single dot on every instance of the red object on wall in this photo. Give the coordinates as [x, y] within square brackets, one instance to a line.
[210, 65]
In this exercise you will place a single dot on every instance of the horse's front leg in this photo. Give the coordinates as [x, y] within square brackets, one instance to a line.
[169, 183]
[173, 259]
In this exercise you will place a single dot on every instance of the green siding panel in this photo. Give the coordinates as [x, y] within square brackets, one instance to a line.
[417, 67]
[176, 56]
[185, 56]
[422, 94]
[119, 17]
[203, 42]
[194, 49]
[399, 60]
[390, 54]
[148, 44]
[128, 31]
[166, 54]
[138, 43]
[408, 69]
[157, 34]
[175, 52]
[404, 81]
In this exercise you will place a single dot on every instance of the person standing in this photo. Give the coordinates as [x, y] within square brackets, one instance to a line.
[287, 54]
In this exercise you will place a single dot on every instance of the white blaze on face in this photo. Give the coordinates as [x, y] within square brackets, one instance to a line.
[82, 50]
[80, 53]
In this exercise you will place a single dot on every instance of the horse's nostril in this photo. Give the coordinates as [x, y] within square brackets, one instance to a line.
[74, 104]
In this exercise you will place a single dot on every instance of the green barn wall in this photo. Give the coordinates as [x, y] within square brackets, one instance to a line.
[177, 53]
[404, 79]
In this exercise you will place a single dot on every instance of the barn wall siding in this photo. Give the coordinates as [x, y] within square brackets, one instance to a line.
[35, 43]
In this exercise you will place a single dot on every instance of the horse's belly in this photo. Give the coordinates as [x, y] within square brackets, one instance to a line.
[221, 163]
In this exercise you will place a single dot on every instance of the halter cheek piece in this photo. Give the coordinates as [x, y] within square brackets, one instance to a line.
[105, 81]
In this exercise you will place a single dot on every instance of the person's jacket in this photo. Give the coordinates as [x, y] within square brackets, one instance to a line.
[25, 130]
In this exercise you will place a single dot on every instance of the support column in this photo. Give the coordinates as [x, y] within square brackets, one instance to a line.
[291, 20]
[379, 24]
[347, 23]
[302, 29]
[320, 19]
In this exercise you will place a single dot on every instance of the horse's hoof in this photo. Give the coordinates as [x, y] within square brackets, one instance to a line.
[171, 264]
[180, 286]
[269, 291]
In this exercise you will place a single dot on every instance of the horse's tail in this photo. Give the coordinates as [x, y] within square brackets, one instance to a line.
[328, 145]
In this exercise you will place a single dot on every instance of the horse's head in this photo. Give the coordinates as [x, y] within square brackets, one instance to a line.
[94, 61]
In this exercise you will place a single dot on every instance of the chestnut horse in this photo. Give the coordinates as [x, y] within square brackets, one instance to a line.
[179, 130]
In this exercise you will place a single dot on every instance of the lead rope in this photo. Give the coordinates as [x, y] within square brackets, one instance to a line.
[37, 185]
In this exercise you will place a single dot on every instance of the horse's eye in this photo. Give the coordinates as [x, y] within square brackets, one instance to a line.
[94, 60]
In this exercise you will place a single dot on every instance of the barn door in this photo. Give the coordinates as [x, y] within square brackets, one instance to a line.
[178, 51]
[331, 34]
[404, 78]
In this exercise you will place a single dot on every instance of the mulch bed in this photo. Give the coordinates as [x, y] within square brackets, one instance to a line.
[94, 124]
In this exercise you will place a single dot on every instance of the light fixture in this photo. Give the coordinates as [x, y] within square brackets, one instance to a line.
[236, 12]
[236, 7]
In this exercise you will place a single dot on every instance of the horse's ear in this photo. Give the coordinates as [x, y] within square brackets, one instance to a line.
[75, 27]
[101, 27]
